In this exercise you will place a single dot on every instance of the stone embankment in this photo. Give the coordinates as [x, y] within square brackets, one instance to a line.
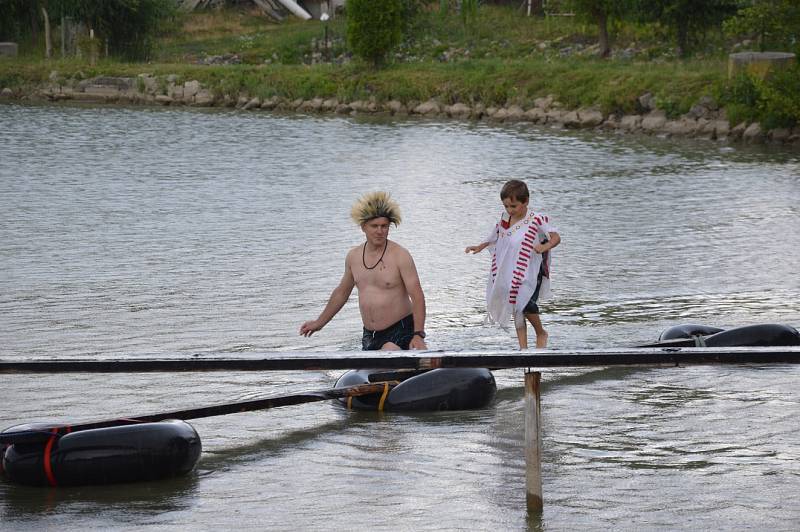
[704, 120]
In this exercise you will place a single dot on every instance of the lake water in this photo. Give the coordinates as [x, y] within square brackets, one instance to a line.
[160, 232]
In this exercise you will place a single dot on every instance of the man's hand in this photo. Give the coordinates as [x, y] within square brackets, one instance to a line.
[417, 343]
[310, 327]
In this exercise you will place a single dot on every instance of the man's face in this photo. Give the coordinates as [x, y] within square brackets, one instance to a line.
[515, 208]
[376, 230]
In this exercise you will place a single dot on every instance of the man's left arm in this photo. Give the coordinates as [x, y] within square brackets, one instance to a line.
[408, 272]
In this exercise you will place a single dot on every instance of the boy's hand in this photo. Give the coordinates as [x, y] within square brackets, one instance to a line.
[539, 248]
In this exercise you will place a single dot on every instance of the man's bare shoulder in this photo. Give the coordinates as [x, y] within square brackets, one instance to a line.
[351, 254]
[398, 251]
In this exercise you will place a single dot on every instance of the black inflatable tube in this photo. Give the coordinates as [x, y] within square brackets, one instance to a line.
[130, 453]
[687, 331]
[437, 389]
[763, 335]
[766, 335]
[2, 456]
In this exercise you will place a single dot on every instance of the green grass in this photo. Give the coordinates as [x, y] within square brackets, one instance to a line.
[614, 87]
[254, 44]
[255, 39]
[503, 58]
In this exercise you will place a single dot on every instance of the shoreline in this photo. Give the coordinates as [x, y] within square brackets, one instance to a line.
[705, 120]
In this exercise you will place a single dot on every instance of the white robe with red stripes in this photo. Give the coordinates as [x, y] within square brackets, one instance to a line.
[515, 266]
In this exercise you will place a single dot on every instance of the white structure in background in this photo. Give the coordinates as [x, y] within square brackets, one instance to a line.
[318, 7]
[278, 9]
[295, 9]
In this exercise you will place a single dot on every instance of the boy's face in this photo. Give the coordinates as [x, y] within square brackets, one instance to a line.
[515, 208]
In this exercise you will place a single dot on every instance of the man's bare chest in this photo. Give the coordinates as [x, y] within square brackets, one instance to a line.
[384, 276]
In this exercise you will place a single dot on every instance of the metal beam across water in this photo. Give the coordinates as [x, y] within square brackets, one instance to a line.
[318, 360]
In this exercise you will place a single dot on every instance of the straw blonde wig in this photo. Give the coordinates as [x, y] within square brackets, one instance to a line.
[375, 205]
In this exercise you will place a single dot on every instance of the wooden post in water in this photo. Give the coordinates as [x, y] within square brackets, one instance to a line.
[533, 442]
[92, 48]
[48, 43]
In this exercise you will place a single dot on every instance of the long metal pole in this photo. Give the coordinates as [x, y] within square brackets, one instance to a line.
[42, 432]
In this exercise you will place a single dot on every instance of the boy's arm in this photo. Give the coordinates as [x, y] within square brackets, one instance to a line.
[476, 249]
[488, 241]
[553, 239]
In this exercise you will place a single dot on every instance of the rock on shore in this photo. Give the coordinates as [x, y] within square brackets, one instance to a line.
[704, 120]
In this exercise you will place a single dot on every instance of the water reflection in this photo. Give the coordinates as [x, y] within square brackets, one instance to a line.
[128, 502]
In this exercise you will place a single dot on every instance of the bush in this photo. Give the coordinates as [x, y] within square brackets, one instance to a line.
[774, 102]
[779, 102]
[776, 24]
[374, 27]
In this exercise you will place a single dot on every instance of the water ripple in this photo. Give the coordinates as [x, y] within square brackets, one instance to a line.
[164, 232]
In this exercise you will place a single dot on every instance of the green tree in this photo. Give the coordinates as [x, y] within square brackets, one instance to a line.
[374, 27]
[687, 19]
[129, 26]
[775, 23]
[600, 12]
[19, 19]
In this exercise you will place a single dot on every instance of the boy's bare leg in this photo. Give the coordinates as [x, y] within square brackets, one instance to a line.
[522, 333]
[541, 334]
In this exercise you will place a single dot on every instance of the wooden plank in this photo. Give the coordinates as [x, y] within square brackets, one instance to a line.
[281, 361]
[533, 442]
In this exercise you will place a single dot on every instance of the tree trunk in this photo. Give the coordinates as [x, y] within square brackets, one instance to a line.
[34, 22]
[48, 44]
[602, 29]
[683, 37]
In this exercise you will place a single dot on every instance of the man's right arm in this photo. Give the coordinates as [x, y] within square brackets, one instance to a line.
[338, 298]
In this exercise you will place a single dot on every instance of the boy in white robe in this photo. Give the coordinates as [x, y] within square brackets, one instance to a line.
[519, 276]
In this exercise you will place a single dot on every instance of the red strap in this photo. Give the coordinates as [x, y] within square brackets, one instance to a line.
[48, 467]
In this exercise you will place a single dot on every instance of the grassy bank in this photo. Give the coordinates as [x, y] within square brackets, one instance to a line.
[503, 58]
[575, 82]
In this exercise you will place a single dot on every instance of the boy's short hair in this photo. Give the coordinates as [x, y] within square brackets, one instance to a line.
[515, 189]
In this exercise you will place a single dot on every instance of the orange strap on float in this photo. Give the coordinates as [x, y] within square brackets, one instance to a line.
[383, 396]
[387, 387]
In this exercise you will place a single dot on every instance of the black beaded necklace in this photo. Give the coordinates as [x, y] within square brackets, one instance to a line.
[364, 252]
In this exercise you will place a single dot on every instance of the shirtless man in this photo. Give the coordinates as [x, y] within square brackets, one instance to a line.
[390, 297]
